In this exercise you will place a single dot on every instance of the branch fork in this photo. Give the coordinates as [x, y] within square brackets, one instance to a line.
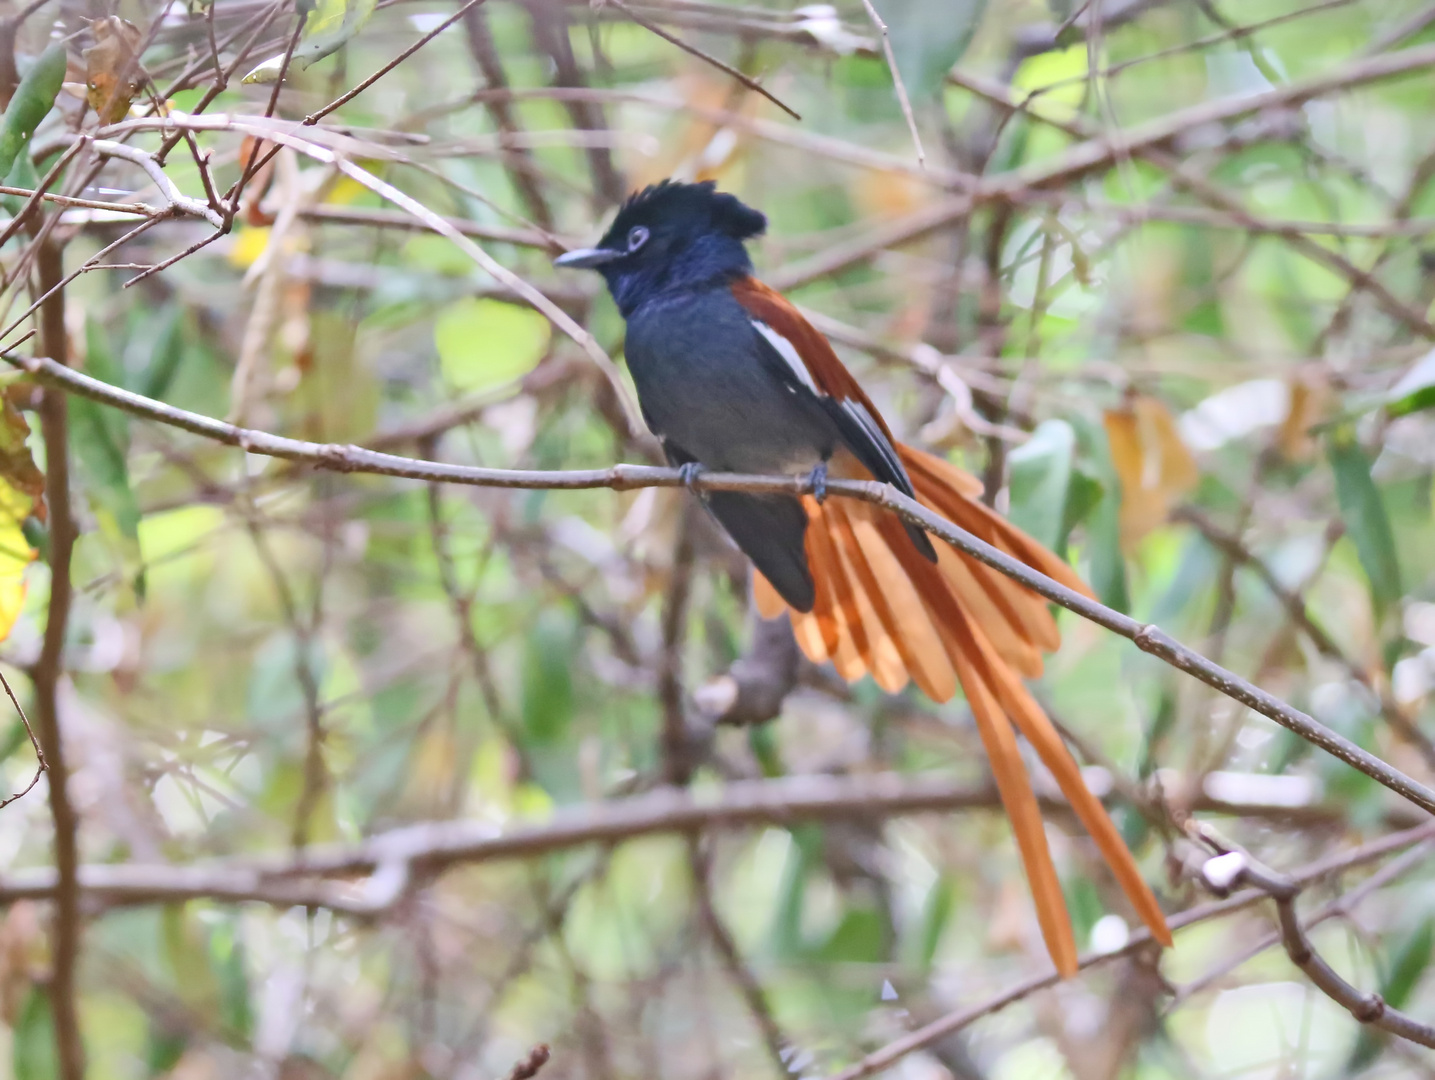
[1234, 866]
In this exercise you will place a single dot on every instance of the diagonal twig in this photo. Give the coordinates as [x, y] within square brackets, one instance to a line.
[349, 95]
[897, 83]
[40, 765]
[1236, 867]
[692, 50]
[923, 1037]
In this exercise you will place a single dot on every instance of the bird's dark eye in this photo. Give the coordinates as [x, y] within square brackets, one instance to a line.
[637, 237]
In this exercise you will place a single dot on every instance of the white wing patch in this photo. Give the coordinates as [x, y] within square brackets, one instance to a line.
[788, 351]
[877, 446]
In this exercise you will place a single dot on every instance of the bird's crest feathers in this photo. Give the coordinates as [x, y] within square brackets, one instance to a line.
[699, 205]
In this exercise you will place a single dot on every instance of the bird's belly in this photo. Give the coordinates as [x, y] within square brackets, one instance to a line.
[706, 390]
[738, 424]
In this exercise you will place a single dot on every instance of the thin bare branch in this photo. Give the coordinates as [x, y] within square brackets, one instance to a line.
[40, 765]
[427, 849]
[897, 85]
[707, 58]
[1237, 866]
[923, 1037]
[360, 87]
[1147, 637]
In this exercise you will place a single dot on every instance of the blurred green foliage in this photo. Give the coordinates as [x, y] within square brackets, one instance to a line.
[495, 657]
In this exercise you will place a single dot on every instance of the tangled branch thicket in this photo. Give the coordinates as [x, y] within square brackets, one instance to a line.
[392, 727]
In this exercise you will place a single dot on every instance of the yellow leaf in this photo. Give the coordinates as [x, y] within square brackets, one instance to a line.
[1152, 463]
[16, 464]
[880, 193]
[1063, 69]
[12, 602]
[248, 246]
[345, 190]
[15, 555]
[1309, 404]
[22, 485]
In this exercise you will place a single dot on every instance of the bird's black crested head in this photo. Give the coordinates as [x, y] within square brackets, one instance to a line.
[684, 211]
[670, 237]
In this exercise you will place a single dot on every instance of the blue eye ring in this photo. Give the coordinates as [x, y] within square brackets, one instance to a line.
[637, 237]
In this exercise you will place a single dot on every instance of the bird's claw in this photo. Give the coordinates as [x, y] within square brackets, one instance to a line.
[817, 480]
[688, 473]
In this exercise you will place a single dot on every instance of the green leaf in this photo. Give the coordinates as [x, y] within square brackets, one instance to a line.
[186, 953]
[928, 37]
[163, 1048]
[935, 913]
[165, 358]
[1411, 960]
[33, 1053]
[226, 948]
[802, 857]
[1083, 903]
[1103, 522]
[483, 344]
[1082, 497]
[764, 746]
[860, 938]
[1408, 966]
[1041, 481]
[102, 440]
[13, 738]
[22, 175]
[548, 680]
[1415, 401]
[1363, 511]
[328, 25]
[33, 98]
[1055, 79]
[1416, 389]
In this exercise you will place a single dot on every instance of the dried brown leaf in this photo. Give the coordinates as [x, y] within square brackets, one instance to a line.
[252, 150]
[1310, 400]
[17, 466]
[113, 75]
[1152, 463]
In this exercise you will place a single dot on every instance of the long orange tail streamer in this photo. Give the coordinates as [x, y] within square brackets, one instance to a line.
[881, 608]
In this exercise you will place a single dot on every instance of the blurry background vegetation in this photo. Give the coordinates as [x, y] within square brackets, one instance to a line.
[1174, 308]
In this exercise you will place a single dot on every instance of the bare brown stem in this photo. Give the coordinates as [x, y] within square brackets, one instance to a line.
[47, 675]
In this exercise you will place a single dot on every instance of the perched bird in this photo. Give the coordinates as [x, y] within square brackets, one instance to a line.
[732, 378]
